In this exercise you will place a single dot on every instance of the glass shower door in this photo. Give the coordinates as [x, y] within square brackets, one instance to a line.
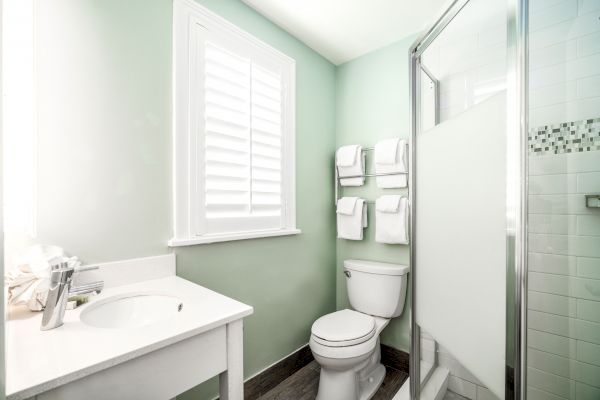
[460, 203]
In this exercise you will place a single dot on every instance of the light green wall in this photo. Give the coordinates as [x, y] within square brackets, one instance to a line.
[372, 103]
[104, 105]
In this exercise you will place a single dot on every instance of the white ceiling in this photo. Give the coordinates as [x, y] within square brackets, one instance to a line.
[341, 30]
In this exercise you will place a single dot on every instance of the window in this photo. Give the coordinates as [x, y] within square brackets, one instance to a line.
[234, 132]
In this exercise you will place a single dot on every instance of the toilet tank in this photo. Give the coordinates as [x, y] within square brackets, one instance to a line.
[376, 288]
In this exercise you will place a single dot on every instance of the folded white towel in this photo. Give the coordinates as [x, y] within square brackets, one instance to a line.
[350, 161]
[351, 218]
[388, 204]
[390, 156]
[346, 155]
[386, 151]
[391, 214]
[28, 282]
[346, 205]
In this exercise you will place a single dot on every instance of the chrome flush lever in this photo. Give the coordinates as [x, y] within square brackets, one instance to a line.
[347, 273]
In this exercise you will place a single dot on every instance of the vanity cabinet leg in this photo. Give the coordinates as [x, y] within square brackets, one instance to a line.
[231, 382]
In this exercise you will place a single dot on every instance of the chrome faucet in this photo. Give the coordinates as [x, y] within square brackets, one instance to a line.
[61, 280]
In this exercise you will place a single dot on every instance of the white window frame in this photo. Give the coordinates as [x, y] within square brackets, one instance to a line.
[188, 194]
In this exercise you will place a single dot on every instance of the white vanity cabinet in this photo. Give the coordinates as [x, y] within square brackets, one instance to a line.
[153, 361]
[164, 373]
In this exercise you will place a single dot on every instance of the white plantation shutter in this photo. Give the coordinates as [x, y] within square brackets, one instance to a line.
[242, 143]
[243, 148]
[234, 154]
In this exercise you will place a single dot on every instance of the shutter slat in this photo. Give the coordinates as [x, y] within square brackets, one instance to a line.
[265, 151]
[265, 103]
[257, 129]
[219, 54]
[266, 126]
[267, 187]
[223, 74]
[217, 170]
[220, 85]
[266, 91]
[266, 115]
[267, 140]
[226, 185]
[224, 142]
[223, 115]
[266, 163]
[217, 64]
[217, 159]
[262, 75]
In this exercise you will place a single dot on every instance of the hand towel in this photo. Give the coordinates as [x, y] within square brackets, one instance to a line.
[351, 218]
[28, 282]
[390, 156]
[350, 161]
[391, 219]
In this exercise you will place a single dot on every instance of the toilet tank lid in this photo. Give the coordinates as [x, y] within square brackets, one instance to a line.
[375, 267]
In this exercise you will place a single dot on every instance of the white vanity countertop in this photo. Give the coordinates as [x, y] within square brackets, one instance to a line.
[39, 361]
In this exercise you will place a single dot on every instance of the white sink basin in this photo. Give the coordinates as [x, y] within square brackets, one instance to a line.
[131, 311]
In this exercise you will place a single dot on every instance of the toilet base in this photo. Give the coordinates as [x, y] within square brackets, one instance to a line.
[349, 385]
[369, 386]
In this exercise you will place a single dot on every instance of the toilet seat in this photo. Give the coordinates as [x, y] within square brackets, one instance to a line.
[343, 328]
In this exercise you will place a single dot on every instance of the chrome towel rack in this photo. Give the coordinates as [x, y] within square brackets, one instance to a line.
[365, 175]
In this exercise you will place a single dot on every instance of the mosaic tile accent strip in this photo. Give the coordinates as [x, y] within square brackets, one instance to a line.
[568, 137]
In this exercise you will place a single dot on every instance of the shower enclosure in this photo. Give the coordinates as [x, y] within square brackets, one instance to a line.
[505, 178]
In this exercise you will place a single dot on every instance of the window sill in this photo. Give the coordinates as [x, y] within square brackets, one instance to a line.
[232, 236]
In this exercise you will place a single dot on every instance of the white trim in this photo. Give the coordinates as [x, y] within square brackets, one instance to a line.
[228, 237]
[189, 226]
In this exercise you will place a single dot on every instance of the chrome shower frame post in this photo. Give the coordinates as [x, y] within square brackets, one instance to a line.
[517, 108]
[516, 193]
[414, 366]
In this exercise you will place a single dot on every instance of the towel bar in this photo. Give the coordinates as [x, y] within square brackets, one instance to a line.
[370, 175]
[337, 181]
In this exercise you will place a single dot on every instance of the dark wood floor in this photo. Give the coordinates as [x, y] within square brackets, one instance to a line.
[303, 385]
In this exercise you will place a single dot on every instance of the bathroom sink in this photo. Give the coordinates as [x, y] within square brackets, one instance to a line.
[131, 311]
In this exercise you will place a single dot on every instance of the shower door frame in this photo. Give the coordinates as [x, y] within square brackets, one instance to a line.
[516, 192]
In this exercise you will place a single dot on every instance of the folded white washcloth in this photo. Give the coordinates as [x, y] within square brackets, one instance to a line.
[351, 218]
[350, 161]
[346, 205]
[390, 156]
[391, 214]
[346, 155]
[28, 281]
[388, 204]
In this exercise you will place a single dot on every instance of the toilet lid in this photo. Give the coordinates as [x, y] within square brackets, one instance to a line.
[343, 328]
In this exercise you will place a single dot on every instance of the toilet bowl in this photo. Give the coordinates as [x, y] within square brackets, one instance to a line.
[346, 343]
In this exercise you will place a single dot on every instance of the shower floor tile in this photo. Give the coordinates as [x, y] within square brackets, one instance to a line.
[453, 396]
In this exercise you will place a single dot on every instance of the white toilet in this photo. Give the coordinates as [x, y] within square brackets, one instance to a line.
[346, 343]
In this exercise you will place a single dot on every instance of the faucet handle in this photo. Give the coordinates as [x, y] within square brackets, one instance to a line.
[59, 263]
[84, 268]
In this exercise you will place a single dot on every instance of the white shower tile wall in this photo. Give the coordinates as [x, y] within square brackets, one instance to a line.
[564, 277]
[564, 57]
[469, 57]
